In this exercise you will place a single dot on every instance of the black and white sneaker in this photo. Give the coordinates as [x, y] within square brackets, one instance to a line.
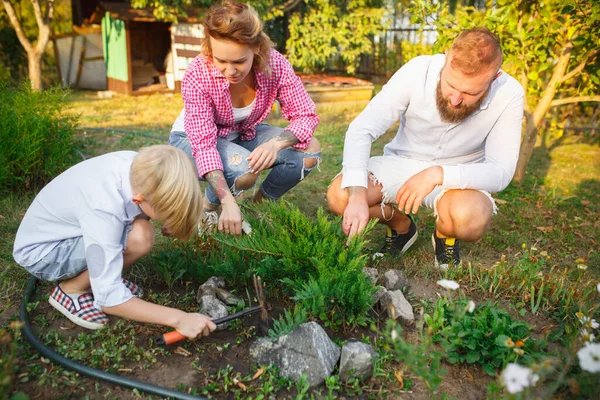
[398, 243]
[446, 252]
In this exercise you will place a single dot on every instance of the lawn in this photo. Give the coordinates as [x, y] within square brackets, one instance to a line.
[538, 265]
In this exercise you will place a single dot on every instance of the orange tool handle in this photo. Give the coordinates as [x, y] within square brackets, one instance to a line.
[169, 338]
[174, 336]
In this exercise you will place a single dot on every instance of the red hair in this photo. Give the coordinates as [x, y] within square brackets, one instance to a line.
[475, 51]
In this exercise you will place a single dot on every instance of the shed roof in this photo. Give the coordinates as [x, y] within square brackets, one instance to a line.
[124, 12]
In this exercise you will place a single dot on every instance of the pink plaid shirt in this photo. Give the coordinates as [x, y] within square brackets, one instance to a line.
[209, 112]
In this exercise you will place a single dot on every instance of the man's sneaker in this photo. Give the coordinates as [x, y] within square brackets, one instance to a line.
[135, 289]
[209, 222]
[398, 243]
[79, 308]
[446, 252]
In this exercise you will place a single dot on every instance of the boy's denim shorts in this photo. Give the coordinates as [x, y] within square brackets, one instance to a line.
[286, 172]
[66, 260]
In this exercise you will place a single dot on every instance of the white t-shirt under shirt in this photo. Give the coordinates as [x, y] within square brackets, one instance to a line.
[93, 200]
[239, 116]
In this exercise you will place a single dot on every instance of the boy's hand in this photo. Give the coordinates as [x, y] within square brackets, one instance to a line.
[193, 325]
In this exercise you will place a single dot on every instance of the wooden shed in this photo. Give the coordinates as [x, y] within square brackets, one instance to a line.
[139, 54]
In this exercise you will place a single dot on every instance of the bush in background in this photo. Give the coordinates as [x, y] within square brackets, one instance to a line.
[36, 140]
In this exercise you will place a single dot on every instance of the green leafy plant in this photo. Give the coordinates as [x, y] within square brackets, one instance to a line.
[36, 140]
[488, 336]
[288, 321]
[8, 357]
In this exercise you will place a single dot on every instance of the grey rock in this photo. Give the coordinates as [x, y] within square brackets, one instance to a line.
[227, 297]
[214, 308]
[306, 350]
[397, 306]
[216, 281]
[357, 361]
[379, 294]
[372, 274]
[209, 288]
[394, 279]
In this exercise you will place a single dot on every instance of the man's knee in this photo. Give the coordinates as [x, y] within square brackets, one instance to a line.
[472, 219]
[245, 181]
[337, 198]
[140, 239]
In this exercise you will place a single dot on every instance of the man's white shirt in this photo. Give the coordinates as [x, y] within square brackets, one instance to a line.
[480, 152]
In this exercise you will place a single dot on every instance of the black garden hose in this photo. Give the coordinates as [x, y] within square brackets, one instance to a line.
[84, 369]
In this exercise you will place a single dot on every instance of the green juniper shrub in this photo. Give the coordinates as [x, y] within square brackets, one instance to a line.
[36, 140]
[309, 259]
[288, 321]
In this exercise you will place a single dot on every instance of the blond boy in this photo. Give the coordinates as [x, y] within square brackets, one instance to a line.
[92, 221]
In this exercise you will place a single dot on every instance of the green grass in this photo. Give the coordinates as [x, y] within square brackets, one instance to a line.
[556, 211]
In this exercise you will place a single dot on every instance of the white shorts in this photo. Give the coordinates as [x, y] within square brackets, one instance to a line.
[392, 171]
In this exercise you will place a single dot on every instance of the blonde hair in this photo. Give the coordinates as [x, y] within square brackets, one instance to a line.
[240, 23]
[166, 178]
[475, 51]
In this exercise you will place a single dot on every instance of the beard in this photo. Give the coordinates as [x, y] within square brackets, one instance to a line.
[454, 115]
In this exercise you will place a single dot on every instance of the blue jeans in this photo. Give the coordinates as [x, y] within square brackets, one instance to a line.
[286, 172]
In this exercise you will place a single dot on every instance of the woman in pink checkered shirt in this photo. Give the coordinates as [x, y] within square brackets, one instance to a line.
[228, 91]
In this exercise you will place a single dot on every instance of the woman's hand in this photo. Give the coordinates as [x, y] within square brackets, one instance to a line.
[264, 156]
[230, 220]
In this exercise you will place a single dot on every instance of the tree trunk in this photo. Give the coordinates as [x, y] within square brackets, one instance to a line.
[527, 146]
[34, 53]
[35, 70]
[545, 103]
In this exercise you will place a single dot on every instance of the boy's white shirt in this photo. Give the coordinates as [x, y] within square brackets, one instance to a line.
[479, 153]
[92, 199]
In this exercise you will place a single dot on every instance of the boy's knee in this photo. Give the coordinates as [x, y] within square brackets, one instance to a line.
[245, 181]
[140, 239]
[337, 198]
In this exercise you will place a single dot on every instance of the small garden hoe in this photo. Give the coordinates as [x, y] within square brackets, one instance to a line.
[262, 328]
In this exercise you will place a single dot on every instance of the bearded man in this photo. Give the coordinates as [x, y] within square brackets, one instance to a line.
[460, 121]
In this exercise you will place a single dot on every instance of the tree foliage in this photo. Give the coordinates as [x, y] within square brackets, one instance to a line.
[325, 29]
[318, 29]
[550, 46]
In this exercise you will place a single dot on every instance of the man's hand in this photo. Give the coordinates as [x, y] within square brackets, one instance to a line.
[264, 156]
[356, 214]
[194, 324]
[230, 220]
[417, 187]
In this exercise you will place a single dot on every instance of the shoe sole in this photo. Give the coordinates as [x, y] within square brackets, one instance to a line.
[75, 319]
[411, 241]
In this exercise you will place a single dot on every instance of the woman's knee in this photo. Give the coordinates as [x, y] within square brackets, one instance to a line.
[313, 147]
[245, 181]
